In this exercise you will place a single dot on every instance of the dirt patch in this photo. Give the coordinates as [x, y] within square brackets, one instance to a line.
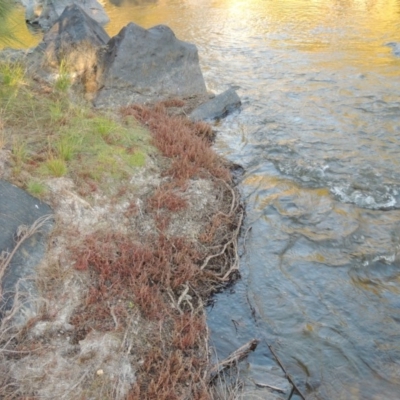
[126, 277]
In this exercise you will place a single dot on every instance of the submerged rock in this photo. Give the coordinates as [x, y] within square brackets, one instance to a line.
[395, 48]
[218, 107]
[149, 64]
[46, 13]
[18, 211]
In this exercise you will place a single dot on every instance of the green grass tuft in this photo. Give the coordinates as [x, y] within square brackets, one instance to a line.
[36, 188]
[63, 81]
[19, 151]
[67, 147]
[56, 167]
[12, 74]
[104, 126]
[137, 159]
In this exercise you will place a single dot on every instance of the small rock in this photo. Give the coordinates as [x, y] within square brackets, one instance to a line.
[395, 48]
[218, 107]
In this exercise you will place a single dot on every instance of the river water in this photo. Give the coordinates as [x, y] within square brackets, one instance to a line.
[319, 139]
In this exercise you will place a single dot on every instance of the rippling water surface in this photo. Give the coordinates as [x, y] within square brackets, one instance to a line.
[319, 138]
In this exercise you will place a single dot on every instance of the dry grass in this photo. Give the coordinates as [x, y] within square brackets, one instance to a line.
[167, 279]
[119, 275]
[161, 279]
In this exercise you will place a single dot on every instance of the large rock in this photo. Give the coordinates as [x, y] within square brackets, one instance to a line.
[218, 107]
[46, 12]
[18, 209]
[76, 42]
[145, 65]
[33, 9]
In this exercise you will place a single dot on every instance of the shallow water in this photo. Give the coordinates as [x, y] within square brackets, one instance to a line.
[319, 138]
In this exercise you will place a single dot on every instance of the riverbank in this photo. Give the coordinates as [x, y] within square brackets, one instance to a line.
[146, 221]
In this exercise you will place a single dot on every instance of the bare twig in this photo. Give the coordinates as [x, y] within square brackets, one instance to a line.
[266, 385]
[235, 264]
[245, 237]
[183, 295]
[114, 316]
[234, 358]
[288, 377]
[22, 235]
[233, 242]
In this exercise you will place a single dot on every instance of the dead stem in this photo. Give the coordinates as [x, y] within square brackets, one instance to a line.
[23, 233]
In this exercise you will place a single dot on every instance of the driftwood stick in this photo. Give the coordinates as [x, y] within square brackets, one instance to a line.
[266, 385]
[234, 358]
[291, 393]
[288, 377]
[244, 239]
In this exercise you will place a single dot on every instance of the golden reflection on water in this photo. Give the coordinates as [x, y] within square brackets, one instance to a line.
[361, 26]
[25, 38]
[358, 29]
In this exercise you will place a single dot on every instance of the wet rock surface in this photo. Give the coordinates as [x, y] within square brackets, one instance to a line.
[18, 211]
[218, 107]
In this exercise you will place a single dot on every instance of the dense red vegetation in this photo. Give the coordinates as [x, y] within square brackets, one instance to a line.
[159, 275]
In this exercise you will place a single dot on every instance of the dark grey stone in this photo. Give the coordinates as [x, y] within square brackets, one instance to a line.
[46, 12]
[218, 107]
[18, 209]
[149, 64]
[76, 42]
[72, 28]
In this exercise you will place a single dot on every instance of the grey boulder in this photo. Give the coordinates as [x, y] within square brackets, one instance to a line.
[18, 210]
[149, 64]
[76, 42]
[218, 107]
[46, 12]
[33, 9]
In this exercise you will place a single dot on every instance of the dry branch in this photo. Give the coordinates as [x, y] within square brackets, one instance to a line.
[288, 377]
[266, 385]
[233, 359]
[22, 234]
